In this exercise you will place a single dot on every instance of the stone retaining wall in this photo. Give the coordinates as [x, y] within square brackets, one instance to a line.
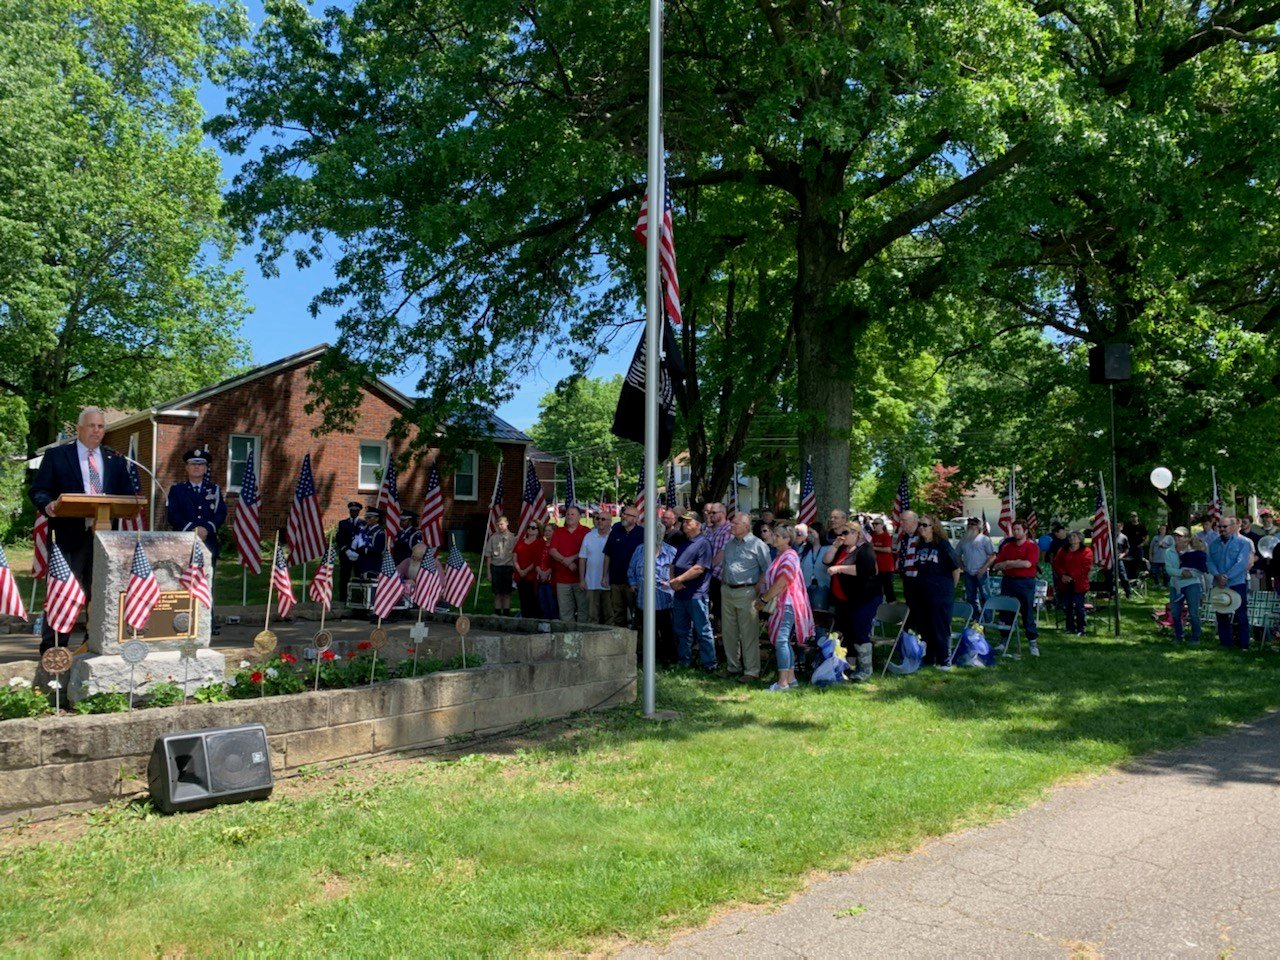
[59, 763]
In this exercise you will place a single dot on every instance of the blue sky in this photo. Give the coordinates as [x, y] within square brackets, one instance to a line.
[280, 323]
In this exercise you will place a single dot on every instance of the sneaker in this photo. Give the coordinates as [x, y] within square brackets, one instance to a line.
[1033, 648]
[942, 666]
[723, 673]
[774, 688]
[748, 678]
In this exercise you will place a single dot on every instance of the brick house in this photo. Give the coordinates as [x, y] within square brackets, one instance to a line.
[263, 410]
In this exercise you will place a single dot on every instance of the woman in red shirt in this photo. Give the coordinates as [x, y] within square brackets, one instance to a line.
[1071, 567]
[882, 544]
[529, 553]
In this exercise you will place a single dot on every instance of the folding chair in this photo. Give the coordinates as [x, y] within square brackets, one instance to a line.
[889, 617]
[990, 618]
[1263, 609]
[962, 611]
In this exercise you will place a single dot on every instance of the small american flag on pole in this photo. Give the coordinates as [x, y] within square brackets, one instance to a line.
[244, 526]
[901, 500]
[1215, 505]
[808, 502]
[321, 589]
[731, 502]
[139, 520]
[667, 252]
[304, 532]
[63, 595]
[428, 586]
[1101, 528]
[283, 584]
[671, 485]
[431, 523]
[1033, 522]
[495, 504]
[570, 487]
[389, 590]
[533, 506]
[1008, 509]
[640, 496]
[389, 500]
[458, 577]
[194, 578]
[143, 592]
[40, 545]
[10, 599]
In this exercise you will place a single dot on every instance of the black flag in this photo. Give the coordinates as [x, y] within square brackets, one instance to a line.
[628, 421]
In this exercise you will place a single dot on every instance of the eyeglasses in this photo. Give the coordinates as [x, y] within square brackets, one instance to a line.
[924, 524]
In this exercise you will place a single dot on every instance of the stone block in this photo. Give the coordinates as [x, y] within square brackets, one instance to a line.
[505, 712]
[55, 784]
[454, 687]
[414, 695]
[329, 743]
[608, 643]
[566, 646]
[168, 553]
[422, 729]
[616, 668]
[515, 648]
[517, 679]
[360, 703]
[302, 711]
[77, 739]
[97, 673]
[541, 646]
[489, 681]
[19, 744]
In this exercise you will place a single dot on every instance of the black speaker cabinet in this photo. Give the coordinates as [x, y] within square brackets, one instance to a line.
[202, 768]
[1109, 363]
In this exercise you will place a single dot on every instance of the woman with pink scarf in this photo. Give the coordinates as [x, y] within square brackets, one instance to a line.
[792, 618]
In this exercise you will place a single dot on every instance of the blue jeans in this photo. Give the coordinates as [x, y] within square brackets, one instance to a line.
[1233, 629]
[1189, 596]
[1073, 607]
[1023, 589]
[975, 590]
[782, 646]
[690, 615]
[547, 603]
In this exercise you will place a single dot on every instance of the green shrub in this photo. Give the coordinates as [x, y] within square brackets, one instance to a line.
[105, 702]
[164, 693]
[19, 699]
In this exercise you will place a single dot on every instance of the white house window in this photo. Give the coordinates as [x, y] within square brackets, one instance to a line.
[465, 477]
[238, 451]
[373, 459]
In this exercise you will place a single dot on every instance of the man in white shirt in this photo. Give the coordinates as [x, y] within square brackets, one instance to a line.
[595, 572]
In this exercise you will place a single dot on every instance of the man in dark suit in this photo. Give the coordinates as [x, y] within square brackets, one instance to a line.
[82, 466]
[345, 545]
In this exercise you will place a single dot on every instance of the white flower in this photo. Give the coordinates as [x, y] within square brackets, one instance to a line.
[209, 678]
[232, 681]
[19, 682]
[54, 685]
[244, 664]
[272, 673]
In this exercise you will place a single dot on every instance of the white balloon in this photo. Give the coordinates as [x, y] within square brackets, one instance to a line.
[1161, 477]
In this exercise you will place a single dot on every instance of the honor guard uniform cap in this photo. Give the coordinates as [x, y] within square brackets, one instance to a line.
[197, 455]
[373, 511]
[356, 504]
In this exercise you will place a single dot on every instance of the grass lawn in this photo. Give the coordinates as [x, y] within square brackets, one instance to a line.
[627, 830]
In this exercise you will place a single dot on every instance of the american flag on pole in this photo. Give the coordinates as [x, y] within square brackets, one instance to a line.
[667, 252]
[458, 577]
[389, 500]
[138, 521]
[143, 592]
[321, 589]
[282, 583]
[431, 523]
[304, 532]
[640, 495]
[63, 595]
[40, 545]
[1215, 505]
[1101, 528]
[389, 590]
[194, 578]
[428, 586]
[808, 502]
[1033, 522]
[731, 502]
[570, 490]
[671, 485]
[10, 599]
[533, 506]
[495, 504]
[244, 525]
[1008, 509]
[901, 500]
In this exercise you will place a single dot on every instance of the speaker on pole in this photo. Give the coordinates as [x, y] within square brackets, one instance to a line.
[202, 768]
[1109, 363]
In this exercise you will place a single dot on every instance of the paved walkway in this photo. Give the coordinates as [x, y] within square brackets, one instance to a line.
[1179, 856]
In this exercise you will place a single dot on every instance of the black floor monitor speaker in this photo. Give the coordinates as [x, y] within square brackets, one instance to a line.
[202, 768]
[1109, 363]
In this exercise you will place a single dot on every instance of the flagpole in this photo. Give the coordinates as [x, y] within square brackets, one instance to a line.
[1115, 559]
[244, 585]
[275, 547]
[1113, 511]
[657, 204]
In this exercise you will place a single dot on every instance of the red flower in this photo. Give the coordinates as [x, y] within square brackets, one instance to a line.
[288, 658]
[351, 654]
[364, 645]
[328, 655]
[255, 677]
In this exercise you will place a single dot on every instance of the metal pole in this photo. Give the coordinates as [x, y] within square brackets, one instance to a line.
[1115, 519]
[653, 346]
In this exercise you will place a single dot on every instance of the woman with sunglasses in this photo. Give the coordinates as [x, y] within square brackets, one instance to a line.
[855, 593]
[937, 573]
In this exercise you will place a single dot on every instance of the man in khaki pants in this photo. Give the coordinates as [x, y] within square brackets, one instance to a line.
[745, 561]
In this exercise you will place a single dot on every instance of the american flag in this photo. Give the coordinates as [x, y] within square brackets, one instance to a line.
[194, 578]
[431, 523]
[1215, 505]
[1101, 529]
[139, 521]
[986, 524]
[143, 592]
[304, 532]
[667, 253]
[731, 502]
[640, 495]
[282, 583]
[428, 586]
[40, 543]
[808, 502]
[901, 500]
[244, 526]
[321, 589]
[533, 506]
[570, 491]
[1008, 510]
[389, 500]
[10, 599]
[458, 577]
[63, 595]
[1033, 522]
[389, 589]
[495, 504]
[671, 485]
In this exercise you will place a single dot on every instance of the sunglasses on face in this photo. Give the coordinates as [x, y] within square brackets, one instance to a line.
[924, 525]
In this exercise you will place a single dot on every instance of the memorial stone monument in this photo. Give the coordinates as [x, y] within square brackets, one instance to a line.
[177, 621]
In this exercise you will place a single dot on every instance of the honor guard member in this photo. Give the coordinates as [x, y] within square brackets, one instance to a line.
[408, 538]
[369, 544]
[344, 544]
[196, 504]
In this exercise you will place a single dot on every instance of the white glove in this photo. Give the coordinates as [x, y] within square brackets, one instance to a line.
[352, 555]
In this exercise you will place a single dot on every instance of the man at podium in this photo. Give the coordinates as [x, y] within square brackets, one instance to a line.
[82, 466]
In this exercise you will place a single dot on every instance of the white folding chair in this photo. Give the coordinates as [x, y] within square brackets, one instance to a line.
[991, 618]
[889, 617]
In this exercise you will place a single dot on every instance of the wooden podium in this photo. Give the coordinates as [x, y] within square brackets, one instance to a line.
[99, 507]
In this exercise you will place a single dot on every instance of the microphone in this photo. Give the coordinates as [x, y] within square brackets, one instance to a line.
[163, 490]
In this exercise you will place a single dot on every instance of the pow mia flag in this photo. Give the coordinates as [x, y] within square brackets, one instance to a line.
[628, 421]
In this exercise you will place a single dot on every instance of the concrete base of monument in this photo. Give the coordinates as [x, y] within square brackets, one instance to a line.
[102, 673]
